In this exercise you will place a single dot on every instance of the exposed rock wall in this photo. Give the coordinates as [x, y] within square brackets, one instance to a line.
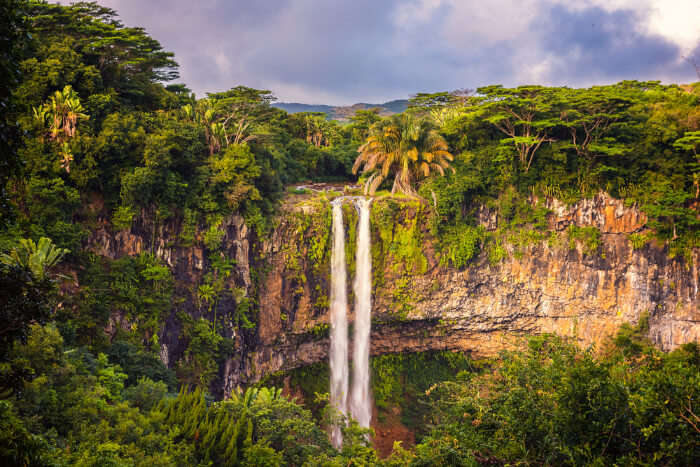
[485, 307]
[545, 287]
[189, 263]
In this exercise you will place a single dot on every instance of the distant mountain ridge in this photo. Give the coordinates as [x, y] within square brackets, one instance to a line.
[343, 113]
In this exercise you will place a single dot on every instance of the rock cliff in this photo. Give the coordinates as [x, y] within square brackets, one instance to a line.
[547, 286]
[554, 285]
[189, 263]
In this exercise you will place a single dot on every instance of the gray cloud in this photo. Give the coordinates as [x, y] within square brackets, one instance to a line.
[595, 45]
[340, 52]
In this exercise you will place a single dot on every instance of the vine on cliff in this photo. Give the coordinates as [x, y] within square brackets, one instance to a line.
[397, 249]
[307, 255]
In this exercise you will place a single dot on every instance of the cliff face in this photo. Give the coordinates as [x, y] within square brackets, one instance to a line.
[555, 285]
[189, 263]
[419, 304]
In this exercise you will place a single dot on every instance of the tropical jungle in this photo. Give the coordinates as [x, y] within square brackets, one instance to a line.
[147, 233]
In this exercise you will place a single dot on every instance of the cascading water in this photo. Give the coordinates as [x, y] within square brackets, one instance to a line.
[339, 322]
[360, 399]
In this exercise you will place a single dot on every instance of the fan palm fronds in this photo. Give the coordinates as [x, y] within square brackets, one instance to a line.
[405, 147]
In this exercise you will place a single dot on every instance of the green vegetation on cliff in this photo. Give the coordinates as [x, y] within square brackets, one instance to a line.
[633, 140]
[100, 149]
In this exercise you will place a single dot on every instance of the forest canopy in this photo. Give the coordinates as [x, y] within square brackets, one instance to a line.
[99, 135]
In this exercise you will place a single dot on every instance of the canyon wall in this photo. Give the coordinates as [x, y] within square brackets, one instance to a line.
[189, 261]
[552, 285]
[544, 287]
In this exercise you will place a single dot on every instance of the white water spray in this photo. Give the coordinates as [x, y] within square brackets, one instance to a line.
[339, 322]
[360, 398]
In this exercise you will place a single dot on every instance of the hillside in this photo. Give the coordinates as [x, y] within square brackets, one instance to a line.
[343, 113]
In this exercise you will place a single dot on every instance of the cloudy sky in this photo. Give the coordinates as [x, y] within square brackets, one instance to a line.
[342, 52]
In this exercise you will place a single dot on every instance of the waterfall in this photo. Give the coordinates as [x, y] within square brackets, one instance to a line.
[360, 400]
[339, 322]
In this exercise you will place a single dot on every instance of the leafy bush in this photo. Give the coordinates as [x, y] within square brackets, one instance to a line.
[638, 240]
[140, 364]
[459, 244]
[214, 236]
[589, 236]
[122, 218]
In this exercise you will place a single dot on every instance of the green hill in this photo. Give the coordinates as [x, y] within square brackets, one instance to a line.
[343, 113]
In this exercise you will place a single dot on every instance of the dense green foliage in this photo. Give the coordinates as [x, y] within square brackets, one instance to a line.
[96, 138]
[634, 140]
[13, 40]
[553, 404]
[99, 124]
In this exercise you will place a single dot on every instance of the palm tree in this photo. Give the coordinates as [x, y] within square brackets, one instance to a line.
[314, 130]
[65, 110]
[61, 113]
[66, 156]
[36, 257]
[403, 145]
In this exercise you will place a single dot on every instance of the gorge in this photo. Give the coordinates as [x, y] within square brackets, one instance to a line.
[550, 285]
[505, 275]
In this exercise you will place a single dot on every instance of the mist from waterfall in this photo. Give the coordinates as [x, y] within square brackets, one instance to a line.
[339, 322]
[360, 398]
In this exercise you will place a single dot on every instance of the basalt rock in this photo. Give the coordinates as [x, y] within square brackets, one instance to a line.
[545, 287]
[486, 307]
[189, 262]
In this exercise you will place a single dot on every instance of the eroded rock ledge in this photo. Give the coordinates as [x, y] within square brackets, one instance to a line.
[485, 307]
[481, 309]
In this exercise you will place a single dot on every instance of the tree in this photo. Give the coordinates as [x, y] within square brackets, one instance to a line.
[315, 129]
[199, 366]
[61, 113]
[18, 445]
[590, 115]
[405, 146]
[26, 287]
[230, 117]
[665, 203]
[23, 300]
[423, 101]
[127, 60]
[13, 38]
[691, 142]
[38, 258]
[526, 115]
[239, 110]
[440, 106]
[362, 121]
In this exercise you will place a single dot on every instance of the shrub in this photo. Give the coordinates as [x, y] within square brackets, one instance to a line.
[123, 217]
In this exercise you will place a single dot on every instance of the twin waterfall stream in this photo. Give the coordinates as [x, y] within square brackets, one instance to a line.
[358, 398]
